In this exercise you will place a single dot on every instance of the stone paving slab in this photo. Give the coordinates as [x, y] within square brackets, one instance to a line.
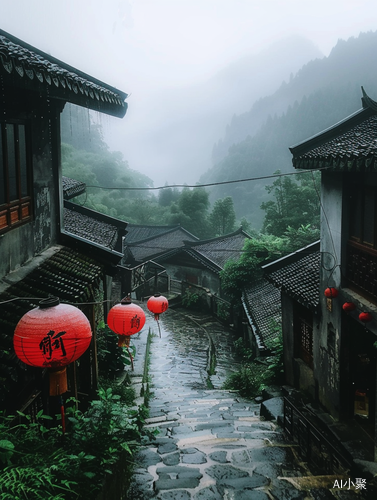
[211, 443]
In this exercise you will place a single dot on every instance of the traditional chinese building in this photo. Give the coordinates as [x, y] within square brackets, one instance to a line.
[45, 250]
[296, 278]
[342, 363]
[200, 262]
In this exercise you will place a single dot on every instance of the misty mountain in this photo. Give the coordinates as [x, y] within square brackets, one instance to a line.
[175, 133]
[322, 92]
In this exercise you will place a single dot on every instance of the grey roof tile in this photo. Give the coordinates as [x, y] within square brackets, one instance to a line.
[262, 303]
[138, 232]
[90, 229]
[147, 249]
[299, 279]
[35, 69]
[72, 188]
[349, 145]
[221, 249]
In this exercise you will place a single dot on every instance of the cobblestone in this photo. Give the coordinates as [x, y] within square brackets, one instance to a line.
[211, 443]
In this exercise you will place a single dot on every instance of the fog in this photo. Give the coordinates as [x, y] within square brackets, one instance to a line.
[188, 65]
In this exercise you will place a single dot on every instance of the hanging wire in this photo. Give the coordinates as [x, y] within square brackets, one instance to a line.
[65, 302]
[272, 176]
[334, 256]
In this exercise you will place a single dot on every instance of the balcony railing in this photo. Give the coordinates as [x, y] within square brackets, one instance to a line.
[362, 270]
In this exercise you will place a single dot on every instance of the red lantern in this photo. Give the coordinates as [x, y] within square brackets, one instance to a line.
[331, 292]
[348, 307]
[52, 336]
[365, 317]
[157, 304]
[125, 319]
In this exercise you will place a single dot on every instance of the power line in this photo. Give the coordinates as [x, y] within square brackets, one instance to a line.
[208, 184]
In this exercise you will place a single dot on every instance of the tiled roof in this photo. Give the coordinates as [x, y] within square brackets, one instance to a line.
[349, 145]
[72, 188]
[262, 305]
[93, 226]
[138, 232]
[299, 278]
[221, 249]
[34, 69]
[69, 275]
[90, 229]
[147, 249]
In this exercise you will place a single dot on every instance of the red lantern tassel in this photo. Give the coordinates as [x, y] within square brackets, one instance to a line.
[58, 382]
[124, 341]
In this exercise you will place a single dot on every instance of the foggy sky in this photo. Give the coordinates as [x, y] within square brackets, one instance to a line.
[144, 47]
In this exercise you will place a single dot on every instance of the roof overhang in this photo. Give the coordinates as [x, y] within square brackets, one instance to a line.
[24, 66]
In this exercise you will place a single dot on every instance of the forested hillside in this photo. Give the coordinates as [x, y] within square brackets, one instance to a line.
[256, 143]
[110, 182]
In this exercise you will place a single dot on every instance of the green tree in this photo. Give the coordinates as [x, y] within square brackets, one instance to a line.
[191, 211]
[295, 204]
[238, 274]
[223, 217]
[301, 237]
[167, 196]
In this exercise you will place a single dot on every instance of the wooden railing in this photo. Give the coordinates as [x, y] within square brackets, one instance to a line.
[314, 446]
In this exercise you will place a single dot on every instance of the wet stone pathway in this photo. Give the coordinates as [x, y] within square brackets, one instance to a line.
[211, 443]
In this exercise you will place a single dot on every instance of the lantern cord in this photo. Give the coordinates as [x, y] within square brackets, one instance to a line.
[62, 413]
[159, 329]
[131, 359]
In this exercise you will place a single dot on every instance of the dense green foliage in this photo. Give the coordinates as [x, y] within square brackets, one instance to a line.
[89, 160]
[239, 273]
[39, 462]
[111, 358]
[223, 216]
[255, 375]
[294, 204]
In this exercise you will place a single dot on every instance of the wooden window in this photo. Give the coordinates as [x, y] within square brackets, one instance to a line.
[361, 268]
[15, 176]
[303, 330]
[363, 218]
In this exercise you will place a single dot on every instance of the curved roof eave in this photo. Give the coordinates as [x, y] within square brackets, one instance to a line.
[25, 66]
[369, 108]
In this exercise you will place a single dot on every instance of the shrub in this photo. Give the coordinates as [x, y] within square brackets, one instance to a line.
[42, 463]
[259, 373]
[111, 358]
[190, 299]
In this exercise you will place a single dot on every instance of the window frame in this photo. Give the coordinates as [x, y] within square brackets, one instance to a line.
[17, 211]
[361, 192]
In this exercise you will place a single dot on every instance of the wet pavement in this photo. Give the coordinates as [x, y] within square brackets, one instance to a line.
[211, 444]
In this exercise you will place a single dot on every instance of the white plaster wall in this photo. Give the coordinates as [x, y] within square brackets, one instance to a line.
[327, 368]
